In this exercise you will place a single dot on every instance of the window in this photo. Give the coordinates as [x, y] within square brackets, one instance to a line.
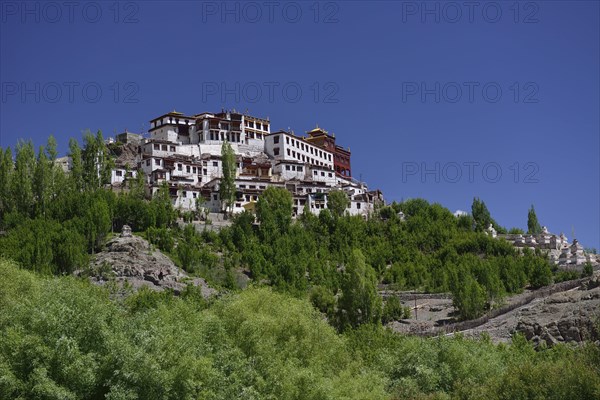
[287, 140]
[194, 194]
[276, 151]
[293, 167]
[299, 168]
[358, 205]
[252, 186]
[184, 194]
[157, 161]
[315, 173]
[119, 173]
[215, 196]
[156, 147]
[261, 187]
[179, 167]
[288, 152]
[238, 205]
[187, 168]
[322, 173]
[204, 171]
[148, 161]
[164, 147]
[287, 167]
[215, 163]
[330, 175]
[276, 139]
[242, 186]
[172, 148]
[194, 170]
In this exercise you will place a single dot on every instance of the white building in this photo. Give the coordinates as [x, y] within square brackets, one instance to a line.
[285, 146]
[186, 152]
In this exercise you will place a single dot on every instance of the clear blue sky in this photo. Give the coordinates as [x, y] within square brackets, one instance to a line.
[405, 85]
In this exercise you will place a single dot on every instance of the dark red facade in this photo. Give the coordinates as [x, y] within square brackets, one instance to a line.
[341, 162]
[341, 156]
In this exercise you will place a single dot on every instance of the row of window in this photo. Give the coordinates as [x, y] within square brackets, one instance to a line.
[298, 168]
[222, 136]
[257, 125]
[329, 174]
[120, 173]
[261, 187]
[302, 146]
[298, 156]
[163, 147]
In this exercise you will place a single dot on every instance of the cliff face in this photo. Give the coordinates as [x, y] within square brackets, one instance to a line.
[131, 259]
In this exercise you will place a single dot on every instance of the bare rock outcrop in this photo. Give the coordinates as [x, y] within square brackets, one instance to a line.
[568, 317]
[131, 259]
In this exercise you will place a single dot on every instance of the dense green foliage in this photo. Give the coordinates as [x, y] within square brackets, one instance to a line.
[431, 250]
[62, 338]
[53, 220]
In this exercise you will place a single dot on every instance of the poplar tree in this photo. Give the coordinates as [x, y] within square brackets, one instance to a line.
[533, 226]
[22, 184]
[337, 202]
[480, 214]
[6, 173]
[76, 165]
[359, 303]
[227, 185]
[41, 183]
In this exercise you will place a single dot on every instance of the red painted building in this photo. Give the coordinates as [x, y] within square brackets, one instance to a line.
[341, 157]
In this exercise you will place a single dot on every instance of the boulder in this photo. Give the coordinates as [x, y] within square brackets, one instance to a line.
[131, 259]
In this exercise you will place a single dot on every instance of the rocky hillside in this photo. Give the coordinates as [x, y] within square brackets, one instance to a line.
[572, 316]
[131, 259]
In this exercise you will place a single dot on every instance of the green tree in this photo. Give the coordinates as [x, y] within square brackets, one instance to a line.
[76, 174]
[540, 271]
[227, 184]
[468, 296]
[274, 212]
[337, 202]
[97, 163]
[480, 214]
[533, 226]
[359, 302]
[97, 221]
[394, 311]
[162, 206]
[22, 182]
[6, 173]
[51, 148]
[42, 183]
